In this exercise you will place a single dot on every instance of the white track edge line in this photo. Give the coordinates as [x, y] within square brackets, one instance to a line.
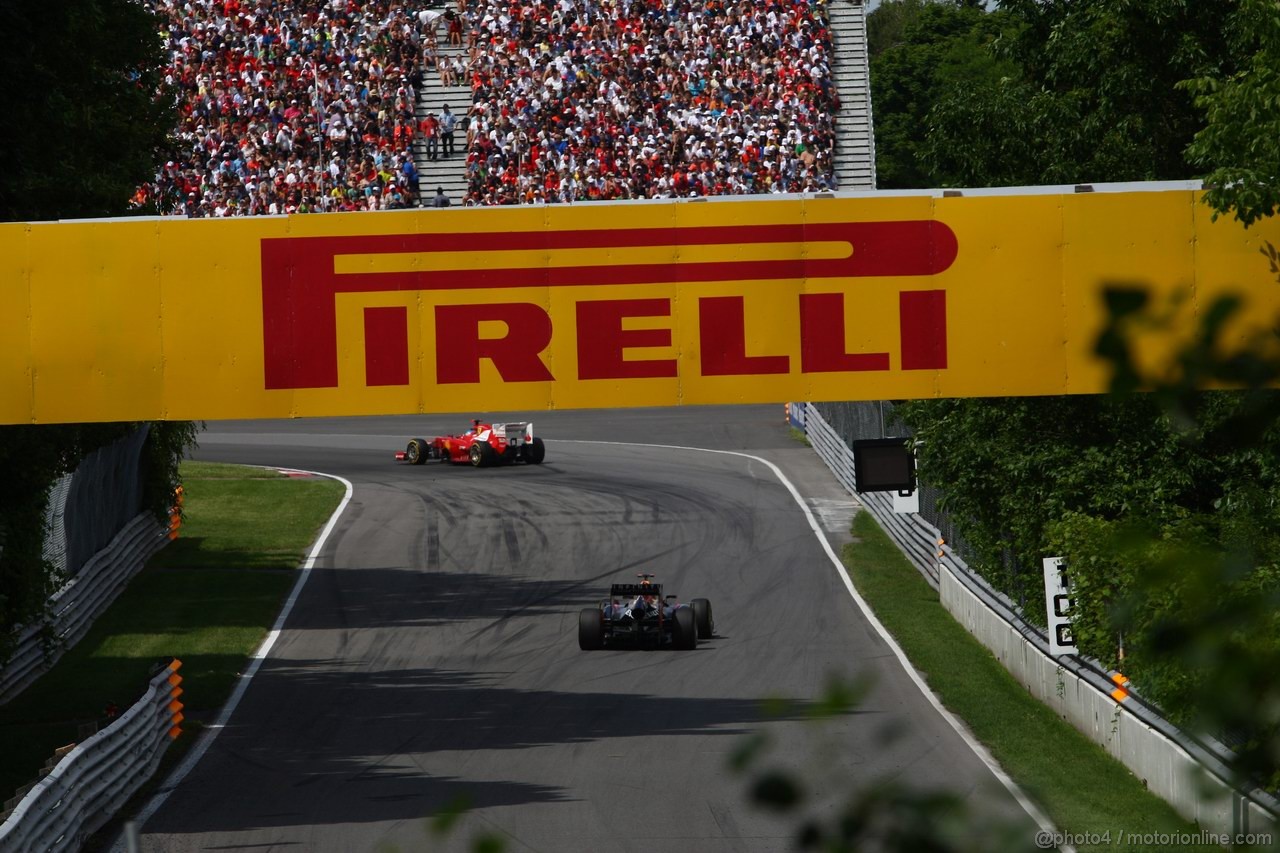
[207, 738]
[1041, 819]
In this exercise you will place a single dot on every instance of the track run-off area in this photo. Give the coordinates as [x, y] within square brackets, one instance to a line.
[432, 658]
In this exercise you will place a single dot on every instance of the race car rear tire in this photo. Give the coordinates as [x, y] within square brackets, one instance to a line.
[684, 633]
[535, 451]
[481, 454]
[703, 619]
[590, 629]
[416, 453]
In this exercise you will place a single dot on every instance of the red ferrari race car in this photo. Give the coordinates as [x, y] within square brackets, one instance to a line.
[485, 444]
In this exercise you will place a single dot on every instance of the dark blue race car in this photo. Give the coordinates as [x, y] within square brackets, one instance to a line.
[638, 615]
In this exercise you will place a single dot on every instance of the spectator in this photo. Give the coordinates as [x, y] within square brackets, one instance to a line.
[288, 107]
[430, 128]
[410, 173]
[648, 98]
[441, 200]
[453, 23]
[447, 123]
[309, 105]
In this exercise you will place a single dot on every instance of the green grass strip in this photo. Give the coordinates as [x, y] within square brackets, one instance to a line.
[208, 599]
[1082, 788]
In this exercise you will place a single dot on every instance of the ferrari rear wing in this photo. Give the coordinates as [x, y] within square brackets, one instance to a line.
[515, 433]
[628, 590]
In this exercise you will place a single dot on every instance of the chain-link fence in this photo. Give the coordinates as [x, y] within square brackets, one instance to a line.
[853, 421]
[89, 506]
[107, 492]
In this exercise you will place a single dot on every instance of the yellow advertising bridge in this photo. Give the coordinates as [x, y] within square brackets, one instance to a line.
[605, 305]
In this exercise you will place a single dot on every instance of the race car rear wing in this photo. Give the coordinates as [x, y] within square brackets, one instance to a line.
[633, 589]
[515, 433]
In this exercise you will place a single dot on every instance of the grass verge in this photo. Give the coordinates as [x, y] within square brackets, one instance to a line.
[1083, 789]
[207, 598]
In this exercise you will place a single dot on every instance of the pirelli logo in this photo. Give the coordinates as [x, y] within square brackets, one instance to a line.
[301, 277]
[869, 297]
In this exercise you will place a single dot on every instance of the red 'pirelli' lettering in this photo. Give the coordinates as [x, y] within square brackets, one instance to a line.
[300, 284]
[386, 346]
[602, 341]
[722, 335]
[822, 339]
[459, 347]
[923, 323]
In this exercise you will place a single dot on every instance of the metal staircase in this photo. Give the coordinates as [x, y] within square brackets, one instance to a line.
[449, 173]
[855, 154]
[855, 142]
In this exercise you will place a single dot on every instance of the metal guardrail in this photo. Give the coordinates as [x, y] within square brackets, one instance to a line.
[917, 537]
[93, 781]
[945, 570]
[74, 607]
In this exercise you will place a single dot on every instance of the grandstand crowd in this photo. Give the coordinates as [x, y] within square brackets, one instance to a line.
[606, 99]
[293, 107]
[289, 107]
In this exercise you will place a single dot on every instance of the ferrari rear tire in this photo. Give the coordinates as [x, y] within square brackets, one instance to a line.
[481, 454]
[684, 632]
[703, 619]
[590, 629]
[535, 452]
[416, 452]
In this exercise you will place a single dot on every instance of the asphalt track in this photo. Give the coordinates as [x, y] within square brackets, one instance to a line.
[432, 654]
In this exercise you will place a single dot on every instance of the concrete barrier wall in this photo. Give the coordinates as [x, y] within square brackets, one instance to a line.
[1189, 772]
[1163, 766]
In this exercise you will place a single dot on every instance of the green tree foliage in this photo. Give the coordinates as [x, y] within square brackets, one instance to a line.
[1164, 503]
[1010, 467]
[31, 458]
[81, 127]
[885, 24]
[1240, 143]
[921, 51]
[1196, 595]
[1098, 97]
[82, 124]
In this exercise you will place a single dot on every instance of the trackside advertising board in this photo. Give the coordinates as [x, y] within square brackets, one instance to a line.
[607, 305]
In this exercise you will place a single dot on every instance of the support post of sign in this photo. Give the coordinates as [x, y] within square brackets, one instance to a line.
[906, 502]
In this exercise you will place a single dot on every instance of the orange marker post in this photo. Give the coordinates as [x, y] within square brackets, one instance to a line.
[1121, 692]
